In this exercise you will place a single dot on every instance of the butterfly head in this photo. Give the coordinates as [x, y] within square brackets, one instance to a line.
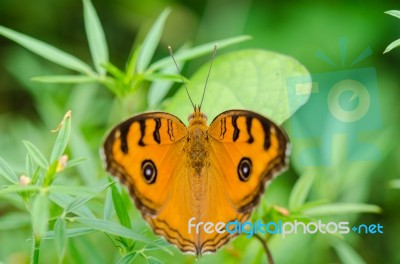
[197, 117]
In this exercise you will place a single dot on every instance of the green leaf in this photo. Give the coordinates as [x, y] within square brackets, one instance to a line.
[129, 258]
[108, 206]
[151, 41]
[394, 184]
[347, 254]
[73, 190]
[65, 79]
[40, 215]
[341, 208]
[165, 77]
[159, 89]
[36, 155]
[18, 189]
[263, 81]
[60, 238]
[64, 131]
[14, 220]
[120, 207]
[29, 166]
[63, 201]
[153, 260]
[7, 172]
[115, 229]
[46, 51]
[75, 162]
[71, 232]
[96, 38]
[395, 13]
[392, 45]
[197, 52]
[79, 201]
[301, 190]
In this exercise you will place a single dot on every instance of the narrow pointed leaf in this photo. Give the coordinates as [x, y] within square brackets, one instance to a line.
[71, 232]
[120, 207]
[65, 79]
[64, 132]
[40, 215]
[341, 208]
[60, 238]
[392, 45]
[197, 51]
[96, 38]
[129, 258]
[36, 155]
[46, 51]
[7, 172]
[301, 190]
[151, 41]
[395, 13]
[79, 201]
[115, 229]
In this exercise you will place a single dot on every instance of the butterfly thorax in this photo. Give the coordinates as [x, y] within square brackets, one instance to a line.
[197, 141]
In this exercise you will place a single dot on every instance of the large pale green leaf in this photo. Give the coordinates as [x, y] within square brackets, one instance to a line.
[250, 79]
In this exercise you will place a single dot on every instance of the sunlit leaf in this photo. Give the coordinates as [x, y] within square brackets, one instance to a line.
[395, 13]
[392, 45]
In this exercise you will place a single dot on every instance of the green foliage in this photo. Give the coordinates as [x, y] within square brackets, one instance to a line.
[67, 202]
[395, 43]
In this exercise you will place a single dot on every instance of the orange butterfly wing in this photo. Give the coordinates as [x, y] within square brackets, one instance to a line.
[176, 173]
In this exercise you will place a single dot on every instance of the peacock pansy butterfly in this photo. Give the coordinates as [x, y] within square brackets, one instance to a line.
[214, 173]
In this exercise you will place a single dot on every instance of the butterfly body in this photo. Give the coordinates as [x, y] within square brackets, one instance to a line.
[213, 173]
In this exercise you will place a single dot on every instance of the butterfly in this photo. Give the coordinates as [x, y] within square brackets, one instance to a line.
[177, 174]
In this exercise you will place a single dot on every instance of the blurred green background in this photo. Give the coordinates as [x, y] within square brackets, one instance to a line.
[301, 29]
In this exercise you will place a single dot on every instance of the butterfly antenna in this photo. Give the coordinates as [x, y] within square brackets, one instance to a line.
[208, 75]
[180, 74]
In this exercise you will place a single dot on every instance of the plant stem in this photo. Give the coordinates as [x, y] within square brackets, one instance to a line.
[35, 250]
[265, 246]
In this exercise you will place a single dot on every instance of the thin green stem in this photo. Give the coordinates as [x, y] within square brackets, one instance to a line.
[35, 250]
